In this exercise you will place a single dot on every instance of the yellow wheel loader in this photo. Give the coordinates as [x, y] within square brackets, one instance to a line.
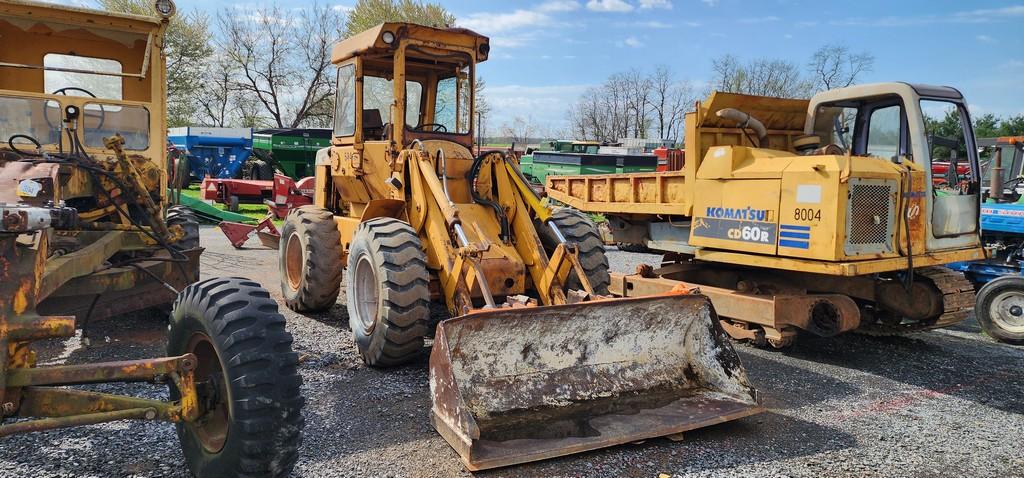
[536, 360]
[821, 216]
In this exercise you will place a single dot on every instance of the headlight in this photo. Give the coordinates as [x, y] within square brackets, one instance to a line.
[388, 37]
[165, 8]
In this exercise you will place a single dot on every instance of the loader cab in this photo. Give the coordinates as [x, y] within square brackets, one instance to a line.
[401, 82]
[925, 127]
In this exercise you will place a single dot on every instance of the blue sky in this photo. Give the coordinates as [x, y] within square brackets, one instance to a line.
[545, 52]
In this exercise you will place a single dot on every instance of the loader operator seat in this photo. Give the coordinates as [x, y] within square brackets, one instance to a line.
[373, 125]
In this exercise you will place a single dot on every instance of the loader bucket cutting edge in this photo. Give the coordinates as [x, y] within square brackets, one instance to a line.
[516, 385]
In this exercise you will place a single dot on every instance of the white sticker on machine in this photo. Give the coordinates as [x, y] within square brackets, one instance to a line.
[808, 193]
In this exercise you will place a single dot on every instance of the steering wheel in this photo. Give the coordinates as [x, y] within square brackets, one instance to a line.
[102, 115]
[437, 127]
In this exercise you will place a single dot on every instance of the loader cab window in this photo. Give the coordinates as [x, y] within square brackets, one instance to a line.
[453, 107]
[345, 102]
[378, 96]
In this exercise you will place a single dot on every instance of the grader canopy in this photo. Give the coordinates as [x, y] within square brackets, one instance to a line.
[402, 199]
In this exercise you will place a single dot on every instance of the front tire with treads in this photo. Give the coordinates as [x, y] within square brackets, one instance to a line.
[387, 291]
[246, 376]
[578, 228]
[310, 259]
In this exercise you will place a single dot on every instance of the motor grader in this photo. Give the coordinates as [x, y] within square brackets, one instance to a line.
[817, 216]
[536, 360]
[86, 234]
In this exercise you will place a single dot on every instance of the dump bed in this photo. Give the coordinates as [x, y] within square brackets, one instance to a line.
[664, 193]
[636, 193]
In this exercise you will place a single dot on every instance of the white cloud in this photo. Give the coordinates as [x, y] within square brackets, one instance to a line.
[710, 3]
[559, 6]
[986, 39]
[491, 23]
[547, 105]
[1011, 64]
[342, 8]
[509, 41]
[632, 42]
[656, 25]
[647, 4]
[787, 36]
[609, 6]
[984, 15]
[692, 24]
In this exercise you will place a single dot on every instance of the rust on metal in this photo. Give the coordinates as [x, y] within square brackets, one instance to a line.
[124, 371]
[517, 385]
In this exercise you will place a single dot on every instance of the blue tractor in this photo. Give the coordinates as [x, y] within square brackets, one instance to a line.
[215, 152]
[999, 279]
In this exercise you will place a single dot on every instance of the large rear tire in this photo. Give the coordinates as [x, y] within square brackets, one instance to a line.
[310, 259]
[186, 218]
[387, 290]
[578, 228]
[1000, 309]
[246, 376]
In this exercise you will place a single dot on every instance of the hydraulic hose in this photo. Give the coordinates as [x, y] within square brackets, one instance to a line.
[474, 171]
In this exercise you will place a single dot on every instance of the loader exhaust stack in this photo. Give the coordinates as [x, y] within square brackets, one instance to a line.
[523, 384]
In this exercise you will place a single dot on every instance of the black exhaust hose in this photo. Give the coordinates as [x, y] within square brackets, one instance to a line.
[474, 171]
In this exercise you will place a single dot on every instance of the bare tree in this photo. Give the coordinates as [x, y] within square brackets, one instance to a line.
[632, 104]
[764, 77]
[834, 66]
[188, 47]
[520, 130]
[670, 100]
[216, 101]
[283, 59]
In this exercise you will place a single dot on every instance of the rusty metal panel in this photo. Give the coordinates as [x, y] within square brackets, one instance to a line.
[517, 385]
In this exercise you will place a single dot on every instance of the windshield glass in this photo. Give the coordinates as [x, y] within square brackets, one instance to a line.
[79, 83]
[453, 106]
[33, 117]
[379, 94]
[103, 120]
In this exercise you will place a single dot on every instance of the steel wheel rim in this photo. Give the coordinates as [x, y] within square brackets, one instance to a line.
[293, 261]
[212, 427]
[1007, 311]
[367, 296]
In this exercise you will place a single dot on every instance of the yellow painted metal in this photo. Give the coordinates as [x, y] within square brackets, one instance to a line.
[846, 268]
[744, 200]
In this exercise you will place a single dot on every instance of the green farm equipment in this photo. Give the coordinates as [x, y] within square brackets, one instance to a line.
[292, 151]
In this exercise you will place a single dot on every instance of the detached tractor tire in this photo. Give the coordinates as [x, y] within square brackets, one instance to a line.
[387, 291]
[186, 218]
[1000, 309]
[579, 229]
[260, 170]
[233, 203]
[250, 421]
[310, 259]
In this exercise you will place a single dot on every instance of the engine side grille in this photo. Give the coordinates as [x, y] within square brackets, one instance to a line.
[871, 216]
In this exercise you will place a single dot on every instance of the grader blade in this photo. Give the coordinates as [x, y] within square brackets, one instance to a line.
[522, 384]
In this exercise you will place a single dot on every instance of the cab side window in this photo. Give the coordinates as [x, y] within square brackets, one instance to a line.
[345, 102]
[884, 132]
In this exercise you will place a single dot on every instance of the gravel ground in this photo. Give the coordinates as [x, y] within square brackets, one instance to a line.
[948, 402]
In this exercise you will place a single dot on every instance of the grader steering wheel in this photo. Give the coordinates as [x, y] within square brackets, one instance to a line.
[102, 115]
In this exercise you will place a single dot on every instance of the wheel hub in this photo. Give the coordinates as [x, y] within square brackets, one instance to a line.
[1007, 311]
[366, 294]
[293, 261]
[211, 428]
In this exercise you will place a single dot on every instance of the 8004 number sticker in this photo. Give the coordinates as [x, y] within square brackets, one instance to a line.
[806, 214]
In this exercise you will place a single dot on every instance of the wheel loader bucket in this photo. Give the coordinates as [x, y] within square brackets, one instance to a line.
[522, 384]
